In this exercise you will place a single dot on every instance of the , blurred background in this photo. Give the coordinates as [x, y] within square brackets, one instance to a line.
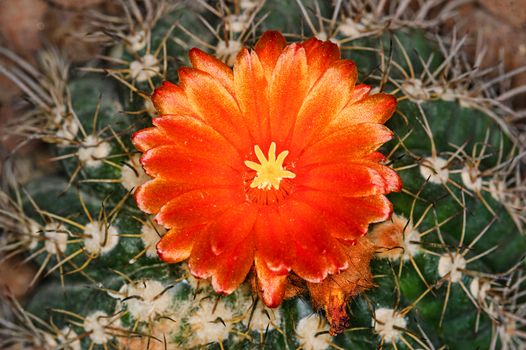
[495, 32]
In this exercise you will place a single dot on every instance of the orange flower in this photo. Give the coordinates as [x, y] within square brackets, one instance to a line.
[271, 164]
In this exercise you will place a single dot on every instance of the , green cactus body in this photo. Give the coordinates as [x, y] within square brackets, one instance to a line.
[452, 281]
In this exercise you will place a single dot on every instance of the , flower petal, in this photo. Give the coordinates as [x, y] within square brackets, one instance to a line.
[214, 67]
[271, 285]
[324, 101]
[215, 105]
[372, 109]
[287, 89]
[359, 92]
[234, 253]
[202, 261]
[228, 270]
[250, 87]
[273, 241]
[353, 142]
[176, 245]
[148, 138]
[348, 218]
[171, 99]
[391, 178]
[233, 266]
[348, 179]
[238, 221]
[198, 207]
[181, 165]
[320, 55]
[367, 210]
[316, 253]
[272, 166]
[152, 195]
[194, 134]
[269, 48]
